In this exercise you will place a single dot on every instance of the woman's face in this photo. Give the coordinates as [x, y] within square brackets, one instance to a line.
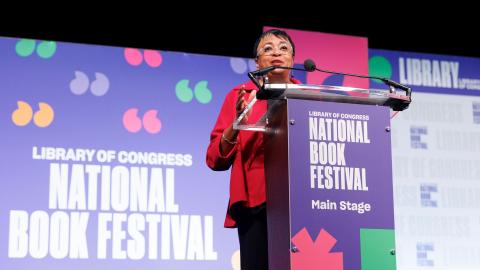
[275, 51]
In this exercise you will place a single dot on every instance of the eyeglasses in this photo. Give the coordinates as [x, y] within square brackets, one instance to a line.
[270, 49]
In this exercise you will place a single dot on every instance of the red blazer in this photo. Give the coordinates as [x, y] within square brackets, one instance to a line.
[247, 177]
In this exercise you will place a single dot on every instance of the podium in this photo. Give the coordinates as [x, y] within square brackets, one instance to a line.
[329, 178]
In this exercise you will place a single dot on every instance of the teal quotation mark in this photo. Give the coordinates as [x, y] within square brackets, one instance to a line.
[45, 50]
[201, 92]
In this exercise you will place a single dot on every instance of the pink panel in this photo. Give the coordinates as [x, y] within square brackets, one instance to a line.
[332, 52]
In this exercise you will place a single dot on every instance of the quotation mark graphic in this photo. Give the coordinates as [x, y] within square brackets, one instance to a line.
[23, 114]
[99, 87]
[133, 123]
[312, 254]
[45, 50]
[134, 57]
[185, 94]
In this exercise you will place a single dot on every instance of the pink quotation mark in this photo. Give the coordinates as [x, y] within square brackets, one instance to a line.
[315, 255]
[134, 57]
[133, 123]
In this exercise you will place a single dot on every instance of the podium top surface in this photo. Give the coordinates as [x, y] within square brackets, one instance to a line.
[382, 97]
[340, 94]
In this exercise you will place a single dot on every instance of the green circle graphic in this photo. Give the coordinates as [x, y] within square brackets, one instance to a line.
[379, 66]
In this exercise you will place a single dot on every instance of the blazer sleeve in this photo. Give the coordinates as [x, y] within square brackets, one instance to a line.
[215, 160]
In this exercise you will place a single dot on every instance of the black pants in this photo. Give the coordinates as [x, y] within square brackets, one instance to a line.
[252, 234]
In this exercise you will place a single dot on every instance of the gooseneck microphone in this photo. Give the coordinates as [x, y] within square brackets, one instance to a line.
[262, 72]
[310, 66]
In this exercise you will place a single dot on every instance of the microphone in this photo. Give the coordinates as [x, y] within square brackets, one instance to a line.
[310, 66]
[394, 84]
[264, 71]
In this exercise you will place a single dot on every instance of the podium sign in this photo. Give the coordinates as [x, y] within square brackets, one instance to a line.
[329, 186]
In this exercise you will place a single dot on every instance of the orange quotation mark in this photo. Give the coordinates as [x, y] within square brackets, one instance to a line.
[24, 113]
[133, 123]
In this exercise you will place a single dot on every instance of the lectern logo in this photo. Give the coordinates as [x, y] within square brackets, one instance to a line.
[423, 249]
[427, 193]
[416, 135]
[476, 112]
[311, 255]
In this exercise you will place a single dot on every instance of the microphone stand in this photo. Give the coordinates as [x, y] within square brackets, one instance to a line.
[391, 84]
[263, 72]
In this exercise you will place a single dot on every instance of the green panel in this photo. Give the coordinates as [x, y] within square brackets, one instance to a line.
[378, 249]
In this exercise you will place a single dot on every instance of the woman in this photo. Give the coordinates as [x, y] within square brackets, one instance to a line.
[243, 151]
